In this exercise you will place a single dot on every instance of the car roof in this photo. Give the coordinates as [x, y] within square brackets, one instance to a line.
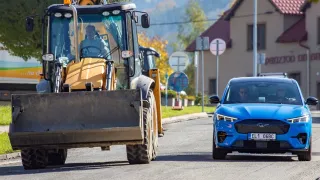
[261, 79]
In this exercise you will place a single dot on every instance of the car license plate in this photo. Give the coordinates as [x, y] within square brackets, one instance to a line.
[262, 136]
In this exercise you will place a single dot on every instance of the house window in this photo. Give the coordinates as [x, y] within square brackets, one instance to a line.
[318, 30]
[261, 37]
[296, 76]
[212, 86]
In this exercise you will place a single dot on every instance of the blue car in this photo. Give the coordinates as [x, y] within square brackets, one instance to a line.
[262, 115]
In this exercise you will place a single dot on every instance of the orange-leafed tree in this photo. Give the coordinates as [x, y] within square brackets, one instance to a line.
[160, 46]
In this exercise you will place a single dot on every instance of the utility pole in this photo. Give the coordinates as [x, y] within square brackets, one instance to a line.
[255, 34]
[308, 73]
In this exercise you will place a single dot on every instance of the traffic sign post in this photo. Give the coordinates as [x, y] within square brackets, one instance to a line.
[217, 47]
[166, 76]
[262, 60]
[202, 44]
[196, 60]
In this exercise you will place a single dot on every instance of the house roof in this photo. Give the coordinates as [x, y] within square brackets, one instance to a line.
[290, 7]
[305, 6]
[220, 29]
[297, 32]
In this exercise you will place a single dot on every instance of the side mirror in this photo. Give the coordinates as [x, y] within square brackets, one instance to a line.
[312, 101]
[47, 66]
[29, 24]
[145, 21]
[214, 99]
[48, 57]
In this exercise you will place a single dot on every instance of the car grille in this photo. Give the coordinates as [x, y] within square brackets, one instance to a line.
[262, 126]
[275, 145]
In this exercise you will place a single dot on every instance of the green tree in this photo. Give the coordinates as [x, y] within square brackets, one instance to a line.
[188, 33]
[13, 35]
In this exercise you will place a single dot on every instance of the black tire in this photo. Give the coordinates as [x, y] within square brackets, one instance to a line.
[143, 153]
[155, 136]
[58, 158]
[306, 156]
[34, 158]
[217, 153]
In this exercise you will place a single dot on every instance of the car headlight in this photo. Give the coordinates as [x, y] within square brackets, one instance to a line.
[299, 119]
[225, 118]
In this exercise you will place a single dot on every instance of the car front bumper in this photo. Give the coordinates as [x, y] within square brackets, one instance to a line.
[294, 138]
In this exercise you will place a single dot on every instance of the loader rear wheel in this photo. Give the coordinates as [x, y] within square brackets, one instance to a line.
[34, 158]
[144, 153]
[58, 158]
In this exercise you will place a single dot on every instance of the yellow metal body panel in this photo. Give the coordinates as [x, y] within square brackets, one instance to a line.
[155, 75]
[88, 70]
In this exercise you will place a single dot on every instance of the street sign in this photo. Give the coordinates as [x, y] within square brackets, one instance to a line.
[222, 46]
[202, 43]
[179, 61]
[262, 58]
[178, 81]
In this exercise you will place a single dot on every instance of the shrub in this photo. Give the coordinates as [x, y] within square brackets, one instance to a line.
[198, 100]
[191, 98]
[183, 96]
[171, 94]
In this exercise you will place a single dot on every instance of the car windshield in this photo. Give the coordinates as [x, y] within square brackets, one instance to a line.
[99, 36]
[263, 92]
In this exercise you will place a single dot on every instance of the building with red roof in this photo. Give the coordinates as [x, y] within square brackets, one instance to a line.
[288, 30]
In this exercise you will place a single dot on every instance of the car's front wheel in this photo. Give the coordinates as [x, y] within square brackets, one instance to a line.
[306, 156]
[217, 153]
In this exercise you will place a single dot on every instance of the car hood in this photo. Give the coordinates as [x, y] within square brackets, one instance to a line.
[262, 111]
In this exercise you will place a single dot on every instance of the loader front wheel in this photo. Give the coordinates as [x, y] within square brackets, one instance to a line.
[58, 158]
[144, 153]
[34, 158]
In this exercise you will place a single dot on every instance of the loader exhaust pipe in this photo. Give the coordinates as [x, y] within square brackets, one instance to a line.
[109, 75]
[75, 25]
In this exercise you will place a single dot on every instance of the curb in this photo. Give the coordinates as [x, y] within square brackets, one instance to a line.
[185, 118]
[10, 156]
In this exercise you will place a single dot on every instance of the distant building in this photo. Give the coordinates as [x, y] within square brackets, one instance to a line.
[286, 28]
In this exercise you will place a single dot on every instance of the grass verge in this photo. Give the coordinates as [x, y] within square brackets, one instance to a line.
[5, 115]
[5, 145]
[168, 112]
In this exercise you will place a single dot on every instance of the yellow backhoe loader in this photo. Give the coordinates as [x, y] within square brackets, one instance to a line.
[94, 91]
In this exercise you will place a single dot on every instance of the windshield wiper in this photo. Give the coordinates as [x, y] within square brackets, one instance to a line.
[112, 51]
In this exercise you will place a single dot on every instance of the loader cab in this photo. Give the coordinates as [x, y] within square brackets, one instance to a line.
[114, 38]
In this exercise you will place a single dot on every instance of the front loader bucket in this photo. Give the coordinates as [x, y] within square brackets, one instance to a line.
[76, 119]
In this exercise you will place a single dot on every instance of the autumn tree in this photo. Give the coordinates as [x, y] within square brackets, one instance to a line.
[188, 33]
[160, 46]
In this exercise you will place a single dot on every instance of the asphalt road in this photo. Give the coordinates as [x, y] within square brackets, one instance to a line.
[184, 153]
